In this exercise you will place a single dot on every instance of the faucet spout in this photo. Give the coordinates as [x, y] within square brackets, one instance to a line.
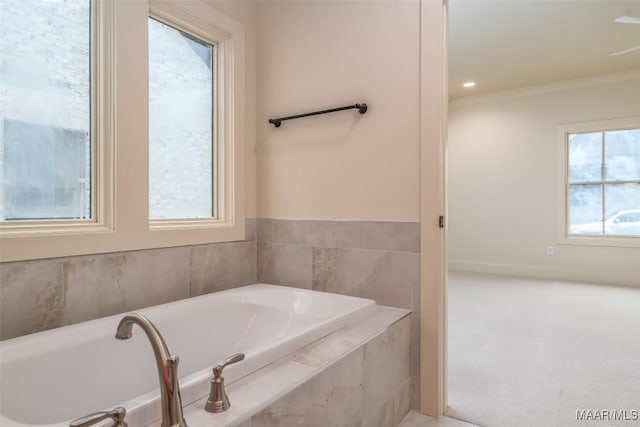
[167, 368]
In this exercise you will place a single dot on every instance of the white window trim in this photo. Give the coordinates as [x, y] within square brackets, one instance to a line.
[120, 112]
[563, 131]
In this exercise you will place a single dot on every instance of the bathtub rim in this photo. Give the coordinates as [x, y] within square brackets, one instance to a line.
[152, 398]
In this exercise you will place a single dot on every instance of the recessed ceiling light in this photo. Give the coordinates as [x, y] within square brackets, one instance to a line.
[469, 84]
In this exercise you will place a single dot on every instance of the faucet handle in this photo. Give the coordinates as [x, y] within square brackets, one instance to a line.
[218, 400]
[116, 414]
[217, 369]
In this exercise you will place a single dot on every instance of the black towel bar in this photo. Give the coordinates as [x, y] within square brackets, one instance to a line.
[362, 108]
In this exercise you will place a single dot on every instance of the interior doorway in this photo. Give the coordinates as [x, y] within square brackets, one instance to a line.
[530, 302]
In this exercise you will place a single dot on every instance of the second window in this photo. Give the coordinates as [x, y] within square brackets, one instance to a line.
[182, 133]
[603, 183]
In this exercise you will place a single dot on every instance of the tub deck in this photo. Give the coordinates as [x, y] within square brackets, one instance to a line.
[357, 376]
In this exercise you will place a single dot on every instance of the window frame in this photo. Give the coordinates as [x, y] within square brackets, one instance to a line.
[101, 109]
[120, 140]
[210, 35]
[563, 132]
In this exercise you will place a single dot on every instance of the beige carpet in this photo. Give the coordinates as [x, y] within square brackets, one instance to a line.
[530, 353]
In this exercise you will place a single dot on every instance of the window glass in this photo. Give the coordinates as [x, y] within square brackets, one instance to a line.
[604, 205]
[46, 169]
[585, 156]
[585, 209]
[623, 154]
[45, 109]
[181, 127]
[623, 198]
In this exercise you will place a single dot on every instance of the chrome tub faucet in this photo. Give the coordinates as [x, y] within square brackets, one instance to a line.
[167, 368]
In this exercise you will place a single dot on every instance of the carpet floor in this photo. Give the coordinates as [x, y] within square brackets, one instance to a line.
[532, 353]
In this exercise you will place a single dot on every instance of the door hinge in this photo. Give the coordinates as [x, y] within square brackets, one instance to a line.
[441, 221]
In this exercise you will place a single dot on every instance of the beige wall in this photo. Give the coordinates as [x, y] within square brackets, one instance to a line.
[246, 13]
[321, 54]
[502, 166]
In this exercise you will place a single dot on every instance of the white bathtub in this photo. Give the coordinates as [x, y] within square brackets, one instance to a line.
[52, 377]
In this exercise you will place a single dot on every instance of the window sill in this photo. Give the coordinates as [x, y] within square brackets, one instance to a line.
[607, 241]
[95, 239]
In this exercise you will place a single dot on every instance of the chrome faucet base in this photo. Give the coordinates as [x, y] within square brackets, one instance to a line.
[217, 406]
[218, 400]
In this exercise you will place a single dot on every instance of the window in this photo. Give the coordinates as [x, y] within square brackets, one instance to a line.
[602, 181]
[96, 161]
[45, 112]
[181, 138]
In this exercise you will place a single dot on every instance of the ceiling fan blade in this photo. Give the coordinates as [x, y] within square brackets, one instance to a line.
[622, 52]
[627, 20]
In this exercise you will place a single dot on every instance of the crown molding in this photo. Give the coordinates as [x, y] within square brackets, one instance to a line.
[547, 88]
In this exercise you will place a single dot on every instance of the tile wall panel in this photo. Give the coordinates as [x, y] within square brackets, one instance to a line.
[45, 294]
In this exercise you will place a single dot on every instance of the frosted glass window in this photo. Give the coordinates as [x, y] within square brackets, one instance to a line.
[45, 109]
[181, 126]
[604, 183]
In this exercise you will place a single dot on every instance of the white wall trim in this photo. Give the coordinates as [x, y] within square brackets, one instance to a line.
[547, 88]
[571, 275]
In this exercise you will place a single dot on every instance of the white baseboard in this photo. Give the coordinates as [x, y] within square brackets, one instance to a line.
[604, 277]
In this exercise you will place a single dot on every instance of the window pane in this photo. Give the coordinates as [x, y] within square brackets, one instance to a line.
[585, 209]
[180, 124]
[585, 157]
[623, 209]
[623, 154]
[45, 112]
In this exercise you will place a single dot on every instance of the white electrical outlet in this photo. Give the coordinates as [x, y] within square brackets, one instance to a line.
[550, 250]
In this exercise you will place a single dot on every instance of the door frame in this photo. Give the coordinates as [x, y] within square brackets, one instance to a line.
[433, 204]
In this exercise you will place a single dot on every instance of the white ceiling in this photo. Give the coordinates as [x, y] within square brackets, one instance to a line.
[508, 44]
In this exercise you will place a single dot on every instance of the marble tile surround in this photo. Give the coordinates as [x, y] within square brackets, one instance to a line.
[377, 260]
[370, 386]
[359, 376]
[368, 259]
[45, 294]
